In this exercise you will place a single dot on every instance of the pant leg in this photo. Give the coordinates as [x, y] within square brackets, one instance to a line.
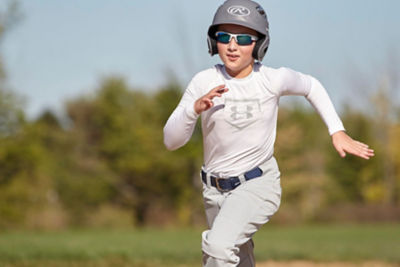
[235, 216]
[213, 200]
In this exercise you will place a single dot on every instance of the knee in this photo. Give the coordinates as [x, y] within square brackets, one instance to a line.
[220, 249]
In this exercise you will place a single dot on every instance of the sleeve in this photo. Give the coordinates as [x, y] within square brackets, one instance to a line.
[295, 83]
[180, 125]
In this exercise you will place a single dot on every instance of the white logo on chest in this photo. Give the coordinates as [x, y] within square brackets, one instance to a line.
[241, 113]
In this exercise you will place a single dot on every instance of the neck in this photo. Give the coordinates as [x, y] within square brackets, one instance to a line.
[238, 74]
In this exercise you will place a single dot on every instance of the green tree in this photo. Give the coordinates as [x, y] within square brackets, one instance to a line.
[77, 180]
[11, 114]
[180, 168]
[16, 156]
[301, 140]
[359, 180]
[124, 129]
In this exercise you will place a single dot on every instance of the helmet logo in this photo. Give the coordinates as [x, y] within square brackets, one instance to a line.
[238, 11]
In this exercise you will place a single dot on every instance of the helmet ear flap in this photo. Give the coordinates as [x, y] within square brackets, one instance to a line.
[212, 46]
[260, 49]
[211, 41]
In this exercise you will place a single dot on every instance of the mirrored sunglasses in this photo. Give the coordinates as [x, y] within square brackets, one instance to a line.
[241, 39]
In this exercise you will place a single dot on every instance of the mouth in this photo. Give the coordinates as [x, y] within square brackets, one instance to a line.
[232, 57]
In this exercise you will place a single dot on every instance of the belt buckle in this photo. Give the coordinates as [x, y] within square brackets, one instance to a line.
[217, 184]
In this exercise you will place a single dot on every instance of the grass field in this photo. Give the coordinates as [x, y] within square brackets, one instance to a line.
[181, 247]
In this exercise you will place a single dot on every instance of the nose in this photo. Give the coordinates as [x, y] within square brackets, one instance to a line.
[232, 46]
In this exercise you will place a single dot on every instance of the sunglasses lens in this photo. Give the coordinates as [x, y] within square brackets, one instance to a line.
[244, 39]
[223, 37]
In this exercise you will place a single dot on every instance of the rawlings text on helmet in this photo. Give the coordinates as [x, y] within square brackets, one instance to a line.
[238, 11]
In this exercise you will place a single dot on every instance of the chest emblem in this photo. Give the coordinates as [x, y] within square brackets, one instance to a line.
[242, 113]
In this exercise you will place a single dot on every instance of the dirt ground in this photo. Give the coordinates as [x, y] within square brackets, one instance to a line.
[325, 264]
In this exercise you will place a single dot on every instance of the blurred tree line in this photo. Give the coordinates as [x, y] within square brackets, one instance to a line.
[104, 163]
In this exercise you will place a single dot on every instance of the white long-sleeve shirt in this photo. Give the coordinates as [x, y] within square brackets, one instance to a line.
[239, 130]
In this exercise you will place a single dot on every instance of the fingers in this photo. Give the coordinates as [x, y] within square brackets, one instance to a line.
[218, 88]
[362, 144]
[205, 102]
[364, 151]
[217, 91]
[369, 153]
[359, 149]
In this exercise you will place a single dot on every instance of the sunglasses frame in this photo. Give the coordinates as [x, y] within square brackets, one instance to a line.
[233, 35]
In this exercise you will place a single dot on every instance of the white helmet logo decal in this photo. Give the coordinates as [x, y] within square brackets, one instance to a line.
[238, 11]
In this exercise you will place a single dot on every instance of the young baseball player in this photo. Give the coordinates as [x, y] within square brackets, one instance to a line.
[238, 104]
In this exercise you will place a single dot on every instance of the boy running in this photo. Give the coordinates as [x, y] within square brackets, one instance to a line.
[238, 103]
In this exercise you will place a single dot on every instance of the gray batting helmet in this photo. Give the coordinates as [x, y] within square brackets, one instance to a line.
[246, 13]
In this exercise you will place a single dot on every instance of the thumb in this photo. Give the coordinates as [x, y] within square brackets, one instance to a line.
[340, 150]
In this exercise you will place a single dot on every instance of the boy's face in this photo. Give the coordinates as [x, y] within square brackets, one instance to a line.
[237, 58]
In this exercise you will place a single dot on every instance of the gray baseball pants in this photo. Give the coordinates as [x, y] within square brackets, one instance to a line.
[233, 217]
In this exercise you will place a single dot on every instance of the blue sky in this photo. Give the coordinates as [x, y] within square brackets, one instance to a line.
[62, 49]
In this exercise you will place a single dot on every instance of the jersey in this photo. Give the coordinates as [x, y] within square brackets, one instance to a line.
[239, 131]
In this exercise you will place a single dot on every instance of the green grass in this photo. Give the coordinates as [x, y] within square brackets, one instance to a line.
[182, 247]
[330, 243]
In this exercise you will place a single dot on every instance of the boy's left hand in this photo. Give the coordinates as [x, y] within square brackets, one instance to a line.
[344, 143]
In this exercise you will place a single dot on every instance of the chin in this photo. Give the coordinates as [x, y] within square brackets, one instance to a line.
[235, 66]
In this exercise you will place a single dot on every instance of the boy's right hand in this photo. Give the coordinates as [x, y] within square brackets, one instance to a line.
[205, 102]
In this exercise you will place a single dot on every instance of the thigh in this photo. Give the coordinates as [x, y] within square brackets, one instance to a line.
[245, 209]
[213, 200]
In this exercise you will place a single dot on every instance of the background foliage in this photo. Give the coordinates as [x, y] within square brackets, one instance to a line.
[103, 163]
